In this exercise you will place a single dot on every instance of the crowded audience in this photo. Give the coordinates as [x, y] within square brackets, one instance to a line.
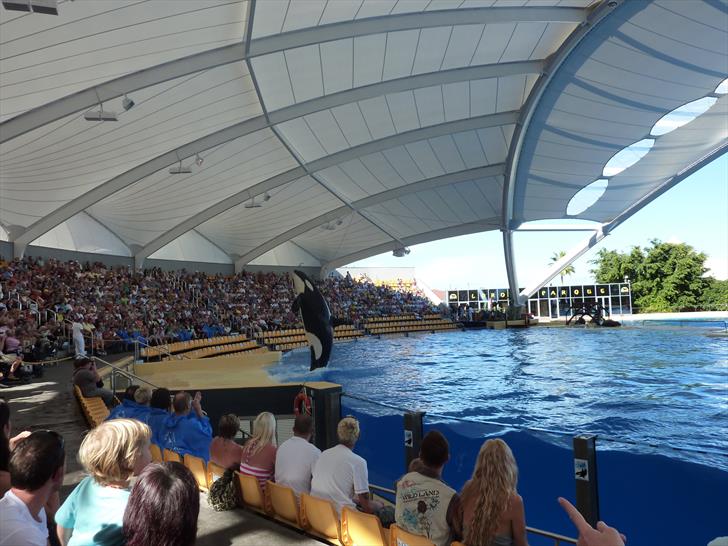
[161, 506]
[43, 302]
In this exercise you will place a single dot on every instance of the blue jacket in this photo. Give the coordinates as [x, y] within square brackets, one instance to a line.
[188, 434]
[128, 409]
[156, 421]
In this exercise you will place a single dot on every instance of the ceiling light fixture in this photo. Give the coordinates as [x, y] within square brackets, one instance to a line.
[127, 103]
[266, 196]
[400, 252]
[199, 160]
[328, 227]
[253, 204]
[47, 7]
[179, 169]
[100, 115]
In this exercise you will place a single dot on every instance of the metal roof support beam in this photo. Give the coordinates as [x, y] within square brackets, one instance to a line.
[401, 139]
[510, 259]
[409, 21]
[279, 116]
[444, 233]
[381, 197]
[554, 269]
[524, 121]
[529, 108]
[127, 178]
[76, 102]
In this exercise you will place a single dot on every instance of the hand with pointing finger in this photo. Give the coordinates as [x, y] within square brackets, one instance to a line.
[603, 535]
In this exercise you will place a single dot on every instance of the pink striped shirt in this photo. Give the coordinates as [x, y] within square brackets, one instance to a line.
[261, 464]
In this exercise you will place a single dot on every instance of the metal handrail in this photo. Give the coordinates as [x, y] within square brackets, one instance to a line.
[116, 370]
[558, 539]
[137, 352]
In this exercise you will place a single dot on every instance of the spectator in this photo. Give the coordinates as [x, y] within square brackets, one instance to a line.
[36, 471]
[341, 476]
[7, 444]
[163, 507]
[492, 510]
[259, 453]
[86, 377]
[297, 456]
[111, 453]
[603, 535]
[188, 430]
[426, 505]
[223, 448]
[129, 407]
[78, 341]
[160, 405]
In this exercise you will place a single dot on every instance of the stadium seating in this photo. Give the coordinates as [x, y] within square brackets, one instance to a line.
[320, 519]
[400, 537]
[198, 469]
[360, 529]
[251, 494]
[171, 456]
[284, 504]
[156, 453]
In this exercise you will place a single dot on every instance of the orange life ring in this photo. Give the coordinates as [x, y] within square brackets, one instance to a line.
[302, 403]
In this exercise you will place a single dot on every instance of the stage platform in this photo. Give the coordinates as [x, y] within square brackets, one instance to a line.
[234, 372]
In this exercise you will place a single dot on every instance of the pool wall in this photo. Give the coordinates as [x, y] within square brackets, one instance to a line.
[651, 498]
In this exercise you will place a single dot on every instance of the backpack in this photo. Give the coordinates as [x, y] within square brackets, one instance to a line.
[222, 493]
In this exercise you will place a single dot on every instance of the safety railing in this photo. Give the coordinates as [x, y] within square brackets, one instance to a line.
[164, 348]
[122, 372]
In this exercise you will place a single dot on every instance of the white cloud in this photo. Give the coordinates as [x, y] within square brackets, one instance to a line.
[718, 267]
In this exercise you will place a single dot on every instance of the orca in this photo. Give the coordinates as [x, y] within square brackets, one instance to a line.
[316, 318]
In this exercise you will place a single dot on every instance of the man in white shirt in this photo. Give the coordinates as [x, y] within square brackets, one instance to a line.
[36, 466]
[341, 476]
[296, 457]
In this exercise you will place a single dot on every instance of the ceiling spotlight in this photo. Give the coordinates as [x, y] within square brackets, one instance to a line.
[48, 7]
[400, 252]
[266, 196]
[100, 115]
[199, 160]
[339, 222]
[127, 103]
[179, 169]
[328, 227]
[252, 204]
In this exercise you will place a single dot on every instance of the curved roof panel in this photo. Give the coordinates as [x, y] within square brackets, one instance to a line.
[331, 131]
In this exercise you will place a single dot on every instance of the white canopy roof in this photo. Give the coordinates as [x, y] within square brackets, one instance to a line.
[358, 126]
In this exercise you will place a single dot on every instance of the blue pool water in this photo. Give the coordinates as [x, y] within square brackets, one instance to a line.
[656, 397]
[666, 387]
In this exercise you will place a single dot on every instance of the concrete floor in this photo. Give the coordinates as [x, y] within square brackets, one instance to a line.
[48, 403]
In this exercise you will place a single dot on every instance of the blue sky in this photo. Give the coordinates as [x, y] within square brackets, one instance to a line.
[694, 212]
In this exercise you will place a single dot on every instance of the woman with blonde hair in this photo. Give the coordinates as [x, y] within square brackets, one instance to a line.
[259, 453]
[112, 453]
[492, 509]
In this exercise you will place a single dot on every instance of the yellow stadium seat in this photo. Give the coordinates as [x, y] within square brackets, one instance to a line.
[284, 504]
[171, 456]
[360, 529]
[156, 453]
[319, 518]
[214, 471]
[457, 543]
[197, 467]
[400, 537]
[253, 497]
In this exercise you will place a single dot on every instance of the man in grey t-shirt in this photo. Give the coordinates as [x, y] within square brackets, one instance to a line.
[86, 377]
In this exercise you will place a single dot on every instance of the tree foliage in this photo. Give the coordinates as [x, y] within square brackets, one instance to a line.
[665, 276]
[715, 298]
[568, 270]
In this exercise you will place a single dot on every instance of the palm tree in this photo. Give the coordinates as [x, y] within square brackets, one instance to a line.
[568, 270]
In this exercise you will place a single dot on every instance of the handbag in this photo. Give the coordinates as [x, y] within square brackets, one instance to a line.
[222, 493]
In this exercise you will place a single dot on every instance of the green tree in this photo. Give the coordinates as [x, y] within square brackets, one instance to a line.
[715, 298]
[568, 270]
[665, 276]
